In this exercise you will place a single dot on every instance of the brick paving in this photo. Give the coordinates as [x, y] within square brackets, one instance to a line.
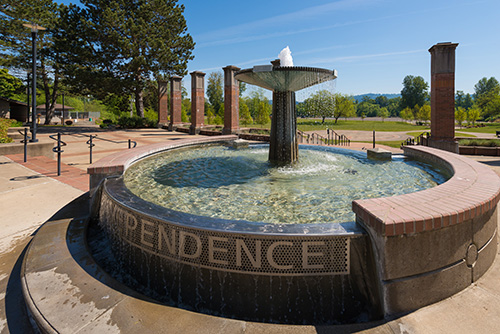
[72, 176]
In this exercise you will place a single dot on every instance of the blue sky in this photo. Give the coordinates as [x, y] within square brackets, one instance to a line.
[373, 44]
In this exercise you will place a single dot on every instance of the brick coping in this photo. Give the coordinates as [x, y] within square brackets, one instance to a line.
[473, 190]
[117, 163]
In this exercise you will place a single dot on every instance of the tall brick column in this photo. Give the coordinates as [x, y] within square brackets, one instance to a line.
[197, 102]
[231, 100]
[443, 97]
[162, 103]
[175, 102]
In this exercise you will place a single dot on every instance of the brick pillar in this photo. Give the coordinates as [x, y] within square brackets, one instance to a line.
[197, 102]
[162, 103]
[443, 97]
[175, 102]
[231, 100]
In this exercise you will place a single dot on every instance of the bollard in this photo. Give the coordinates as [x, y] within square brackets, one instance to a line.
[373, 138]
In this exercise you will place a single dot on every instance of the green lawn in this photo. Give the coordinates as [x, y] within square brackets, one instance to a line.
[310, 125]
[488, 128]
[457, 134]
[393, 143]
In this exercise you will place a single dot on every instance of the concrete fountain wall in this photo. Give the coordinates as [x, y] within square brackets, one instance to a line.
[434, 243]
[419, 248]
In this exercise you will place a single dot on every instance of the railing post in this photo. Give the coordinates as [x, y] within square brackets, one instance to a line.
[25, 142]
[130, 141]
[58, 150]
[89, 142]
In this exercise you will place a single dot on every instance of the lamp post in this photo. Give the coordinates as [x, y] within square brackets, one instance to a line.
[62, 123]
[34, 29]
[28, 93]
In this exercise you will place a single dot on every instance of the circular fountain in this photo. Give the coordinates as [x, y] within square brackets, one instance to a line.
[289, 271]
[399, 253]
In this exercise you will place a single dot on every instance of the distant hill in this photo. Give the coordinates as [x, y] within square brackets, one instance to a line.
[359, 98]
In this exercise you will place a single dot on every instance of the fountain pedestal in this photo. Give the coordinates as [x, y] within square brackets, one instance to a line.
[283, 146]
[284, 81]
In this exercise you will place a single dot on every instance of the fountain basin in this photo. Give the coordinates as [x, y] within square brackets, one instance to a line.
[402, 263]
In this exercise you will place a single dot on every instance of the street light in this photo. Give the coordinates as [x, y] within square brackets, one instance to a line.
[28, 93]
[34, 29]
[62, 109]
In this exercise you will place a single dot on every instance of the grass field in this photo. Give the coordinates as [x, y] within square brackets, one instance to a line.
[488, 128]
[457, 134]
[394, 143]
[310, 125]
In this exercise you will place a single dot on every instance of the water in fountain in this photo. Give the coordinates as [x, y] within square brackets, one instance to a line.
[221, 182]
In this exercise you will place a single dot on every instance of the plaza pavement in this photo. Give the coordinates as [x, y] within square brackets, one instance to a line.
[31, 193]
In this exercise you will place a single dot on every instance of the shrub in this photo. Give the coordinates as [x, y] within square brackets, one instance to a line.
[480, 142]
[4, 126]
[135, 122]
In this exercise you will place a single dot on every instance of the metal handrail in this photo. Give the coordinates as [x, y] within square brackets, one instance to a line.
[89, 142]
[332, 138]
[25, 142]
[57, 149]
[130, 142]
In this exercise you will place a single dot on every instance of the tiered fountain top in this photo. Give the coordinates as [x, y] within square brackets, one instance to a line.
[285, 78]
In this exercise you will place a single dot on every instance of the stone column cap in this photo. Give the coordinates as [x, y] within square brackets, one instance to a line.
[443, 45]
[175, 77]
[231, 67]
[199, 73]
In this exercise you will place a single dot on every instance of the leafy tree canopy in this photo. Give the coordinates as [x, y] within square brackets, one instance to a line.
[486, 86]
[116, 46]
[9, 85]
[415, 91]
[215, 91]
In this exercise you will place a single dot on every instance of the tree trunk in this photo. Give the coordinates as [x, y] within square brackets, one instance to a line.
[139, 102]
[131, 107]
[50, 99]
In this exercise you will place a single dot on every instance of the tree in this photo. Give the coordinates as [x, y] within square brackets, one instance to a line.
[486, 93]
[16, 43]
[485, 86]
[415, 91]
[209, 111]
[407, 114]
[491, 110]
[344, 106]
[263, 112]
[463, 100]
[185, 110]
[382, 101]
[254, 100]
[321, 104]
[383, 113]
[215, 91]
[424, 113]
[394, 106]
[245, 116]
[116, 46]
[9, 85]
[460, 115]
[473, 115]
[368, 108]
